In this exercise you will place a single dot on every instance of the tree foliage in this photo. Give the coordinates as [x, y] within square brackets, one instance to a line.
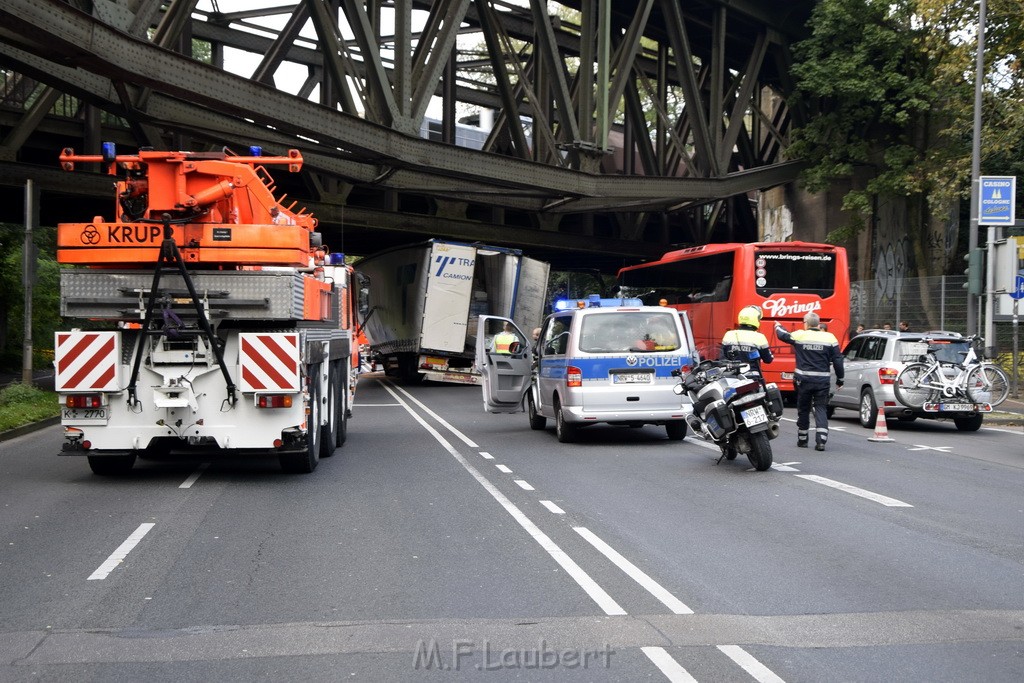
[891, 86]
[45, 296]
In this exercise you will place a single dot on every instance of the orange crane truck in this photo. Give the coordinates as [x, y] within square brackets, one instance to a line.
[213, 319]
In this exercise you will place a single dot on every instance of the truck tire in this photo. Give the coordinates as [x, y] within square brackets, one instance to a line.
[108, 465]
[329, 432]
[344, 409]
[307, 460]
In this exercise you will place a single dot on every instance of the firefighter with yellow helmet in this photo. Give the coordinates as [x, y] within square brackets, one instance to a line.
[746, 342]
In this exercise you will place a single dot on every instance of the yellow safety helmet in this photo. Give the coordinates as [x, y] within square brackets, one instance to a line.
[750, 315]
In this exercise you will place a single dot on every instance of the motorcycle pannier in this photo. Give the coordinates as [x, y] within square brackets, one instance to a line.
[719, 419]
[774, 399]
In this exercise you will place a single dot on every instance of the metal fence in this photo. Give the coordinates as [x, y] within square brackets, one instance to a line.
[932, 303]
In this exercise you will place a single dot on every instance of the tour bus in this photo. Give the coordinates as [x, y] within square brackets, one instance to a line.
[714, 281]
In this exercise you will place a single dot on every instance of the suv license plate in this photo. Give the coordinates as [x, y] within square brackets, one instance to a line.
[754, 416]
[631, 378]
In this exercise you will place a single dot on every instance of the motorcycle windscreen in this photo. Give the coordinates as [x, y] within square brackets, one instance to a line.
[504, 358]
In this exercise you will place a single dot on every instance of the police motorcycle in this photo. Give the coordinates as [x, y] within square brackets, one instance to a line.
[734, 408]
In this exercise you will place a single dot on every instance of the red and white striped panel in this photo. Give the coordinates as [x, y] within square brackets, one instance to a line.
[268, 361]
[87, 361]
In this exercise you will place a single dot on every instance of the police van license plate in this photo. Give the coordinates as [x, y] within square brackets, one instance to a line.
[754, 416]
[632, 378]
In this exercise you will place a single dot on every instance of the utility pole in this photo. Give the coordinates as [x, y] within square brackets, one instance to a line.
[28, 278]
[972, 235]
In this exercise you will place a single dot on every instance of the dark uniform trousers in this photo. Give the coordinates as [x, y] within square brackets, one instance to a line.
[810, 394]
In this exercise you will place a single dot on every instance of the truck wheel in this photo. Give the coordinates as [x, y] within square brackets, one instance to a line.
[306, 462]
[537, 421]
[107, 465]
[329, 432]
[676, 430]
[343, 409]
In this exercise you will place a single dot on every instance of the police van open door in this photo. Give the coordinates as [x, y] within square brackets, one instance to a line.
[504, 356]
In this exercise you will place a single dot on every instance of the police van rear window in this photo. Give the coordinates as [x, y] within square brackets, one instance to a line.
[629, 332]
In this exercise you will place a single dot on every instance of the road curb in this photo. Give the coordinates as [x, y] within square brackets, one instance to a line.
[29, 428]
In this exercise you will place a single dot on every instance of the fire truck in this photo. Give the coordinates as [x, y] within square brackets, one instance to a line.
[213, 319]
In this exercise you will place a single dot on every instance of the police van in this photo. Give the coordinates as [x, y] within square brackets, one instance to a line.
[594, 361]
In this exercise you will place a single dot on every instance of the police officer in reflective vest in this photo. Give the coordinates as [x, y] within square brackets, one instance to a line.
[746, 342]
[816, 350]
[503, 341]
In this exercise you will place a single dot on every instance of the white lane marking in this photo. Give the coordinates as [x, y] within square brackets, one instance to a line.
[523, 485]
[785, 466]
[597, 594]
[940, 449]
[376, 405]
[187, 484]
[668, 666]
[1004, 431]
[502, 468]
[465, 439]
[552, 507]
[876, 497]
[117, 557]
[707, 444]
[749, 664]
[634, 572]
[486, 456]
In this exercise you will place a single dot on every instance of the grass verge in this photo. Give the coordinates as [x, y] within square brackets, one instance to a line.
[21, 405]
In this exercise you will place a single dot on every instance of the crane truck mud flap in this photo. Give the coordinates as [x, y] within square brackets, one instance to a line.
[269, 361]
[87, 361]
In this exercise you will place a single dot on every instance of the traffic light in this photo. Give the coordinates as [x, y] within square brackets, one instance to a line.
[975, 271]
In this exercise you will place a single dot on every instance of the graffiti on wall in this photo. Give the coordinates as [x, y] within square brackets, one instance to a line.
[892, 252]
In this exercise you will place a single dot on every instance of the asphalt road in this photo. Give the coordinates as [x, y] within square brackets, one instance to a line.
[443, 543]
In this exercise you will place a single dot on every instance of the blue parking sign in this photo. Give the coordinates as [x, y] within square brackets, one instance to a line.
[997, 196]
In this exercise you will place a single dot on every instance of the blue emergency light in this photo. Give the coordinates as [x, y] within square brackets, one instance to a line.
[594, 301]
[255, 151]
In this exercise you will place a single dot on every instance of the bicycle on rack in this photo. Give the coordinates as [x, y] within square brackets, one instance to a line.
[935, 385]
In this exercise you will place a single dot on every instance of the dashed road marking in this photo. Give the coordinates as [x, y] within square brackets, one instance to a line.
[117, 557]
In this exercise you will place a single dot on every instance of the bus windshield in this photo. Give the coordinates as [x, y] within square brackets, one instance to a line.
[786, 271]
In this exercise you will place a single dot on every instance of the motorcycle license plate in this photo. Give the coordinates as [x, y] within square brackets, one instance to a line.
[754, 416]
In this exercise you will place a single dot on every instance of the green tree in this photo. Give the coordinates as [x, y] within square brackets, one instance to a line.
[892, 84]
[45, 296]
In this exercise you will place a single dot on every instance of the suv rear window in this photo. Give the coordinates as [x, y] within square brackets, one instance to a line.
[946, 350]
[629, 331]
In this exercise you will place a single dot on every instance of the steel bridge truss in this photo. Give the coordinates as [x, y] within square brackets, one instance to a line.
[619, 127]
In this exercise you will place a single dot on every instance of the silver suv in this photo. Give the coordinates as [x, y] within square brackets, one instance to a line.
[872, 361]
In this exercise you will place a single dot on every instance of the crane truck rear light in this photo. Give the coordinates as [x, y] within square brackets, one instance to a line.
[274, 401]
[83, 400]
[573, 377]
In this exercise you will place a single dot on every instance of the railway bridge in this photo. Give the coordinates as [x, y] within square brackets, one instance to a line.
[586, 132]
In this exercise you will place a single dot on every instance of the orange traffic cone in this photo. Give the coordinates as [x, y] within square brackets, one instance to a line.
[881, 429]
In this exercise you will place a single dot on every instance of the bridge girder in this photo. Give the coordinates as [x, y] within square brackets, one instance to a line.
[701, 90]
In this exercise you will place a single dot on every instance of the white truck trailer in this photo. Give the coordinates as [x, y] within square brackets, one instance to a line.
[423, 300]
